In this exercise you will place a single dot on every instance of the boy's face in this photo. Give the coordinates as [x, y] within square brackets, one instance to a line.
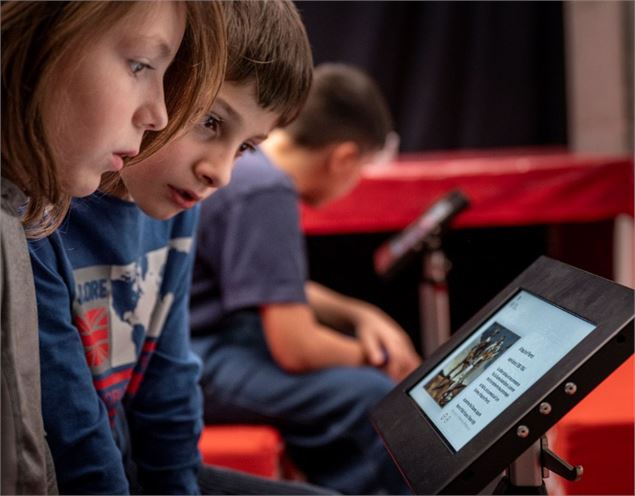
[344, 181]
[193, 166]
[339, 177]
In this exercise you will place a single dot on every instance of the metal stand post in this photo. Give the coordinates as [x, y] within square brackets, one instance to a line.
[527, 473]
[434, 305]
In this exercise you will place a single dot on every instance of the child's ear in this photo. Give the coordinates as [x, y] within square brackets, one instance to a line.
[343, 156]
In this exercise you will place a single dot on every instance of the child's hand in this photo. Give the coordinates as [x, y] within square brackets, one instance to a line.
[386, 344]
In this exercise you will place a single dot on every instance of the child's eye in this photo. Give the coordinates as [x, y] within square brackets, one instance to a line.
[136, 67]
[245, 147]
[212, 123]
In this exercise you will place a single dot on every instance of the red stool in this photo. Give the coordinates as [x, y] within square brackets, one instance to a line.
[255, 449]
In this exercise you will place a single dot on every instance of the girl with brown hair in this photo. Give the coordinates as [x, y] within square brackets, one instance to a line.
[86, 86]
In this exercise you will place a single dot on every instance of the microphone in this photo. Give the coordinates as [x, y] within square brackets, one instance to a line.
[398, 251]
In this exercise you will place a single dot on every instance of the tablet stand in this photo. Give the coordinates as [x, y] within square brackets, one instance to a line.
[434, 307]
[527, 473]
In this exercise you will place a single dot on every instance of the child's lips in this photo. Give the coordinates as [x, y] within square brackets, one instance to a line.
[119, 157]
[117, 162]
[183, 198]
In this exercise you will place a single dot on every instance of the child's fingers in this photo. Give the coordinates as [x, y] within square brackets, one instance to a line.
[375, 353]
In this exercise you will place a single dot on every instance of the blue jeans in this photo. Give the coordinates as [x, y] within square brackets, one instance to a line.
[322, 415]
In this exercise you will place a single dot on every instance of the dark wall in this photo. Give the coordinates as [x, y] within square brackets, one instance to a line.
[483, 262]
[456, 74]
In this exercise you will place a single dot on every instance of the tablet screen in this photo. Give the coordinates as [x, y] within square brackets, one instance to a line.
[503, 358]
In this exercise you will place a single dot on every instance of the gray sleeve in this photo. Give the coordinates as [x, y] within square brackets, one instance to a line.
[25, 467]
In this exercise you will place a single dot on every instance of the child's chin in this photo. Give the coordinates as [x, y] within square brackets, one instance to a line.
[82, 188]
[168, 215]
[159, 212]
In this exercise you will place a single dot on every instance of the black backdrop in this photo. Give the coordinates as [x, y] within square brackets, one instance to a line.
[457, 75]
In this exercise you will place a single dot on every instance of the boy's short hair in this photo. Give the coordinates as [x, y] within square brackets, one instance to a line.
[268, 45]
[344, 104]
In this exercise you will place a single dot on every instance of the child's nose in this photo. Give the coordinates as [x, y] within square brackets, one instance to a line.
[152, 114]
[214, 175]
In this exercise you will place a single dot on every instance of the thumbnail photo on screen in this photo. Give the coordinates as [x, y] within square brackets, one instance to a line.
[468, 365]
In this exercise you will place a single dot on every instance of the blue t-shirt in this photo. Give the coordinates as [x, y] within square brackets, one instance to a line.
[112, 288]
[250, 249]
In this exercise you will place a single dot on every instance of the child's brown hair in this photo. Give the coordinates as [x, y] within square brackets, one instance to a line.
[268, 45]
[36, 36]
[344, 104]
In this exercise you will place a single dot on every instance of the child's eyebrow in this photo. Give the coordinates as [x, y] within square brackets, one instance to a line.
[236, 117]
[163, 49]
[229, 110]
[157, 44]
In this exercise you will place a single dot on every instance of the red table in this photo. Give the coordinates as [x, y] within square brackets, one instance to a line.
[506, 188]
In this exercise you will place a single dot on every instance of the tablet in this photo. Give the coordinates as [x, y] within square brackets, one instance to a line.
[503, 379]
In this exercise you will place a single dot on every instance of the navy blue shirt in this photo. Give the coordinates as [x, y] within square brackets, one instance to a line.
[112, 286]
[250, 250]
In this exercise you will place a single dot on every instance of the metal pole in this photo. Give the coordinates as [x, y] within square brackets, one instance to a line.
[434, 306]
